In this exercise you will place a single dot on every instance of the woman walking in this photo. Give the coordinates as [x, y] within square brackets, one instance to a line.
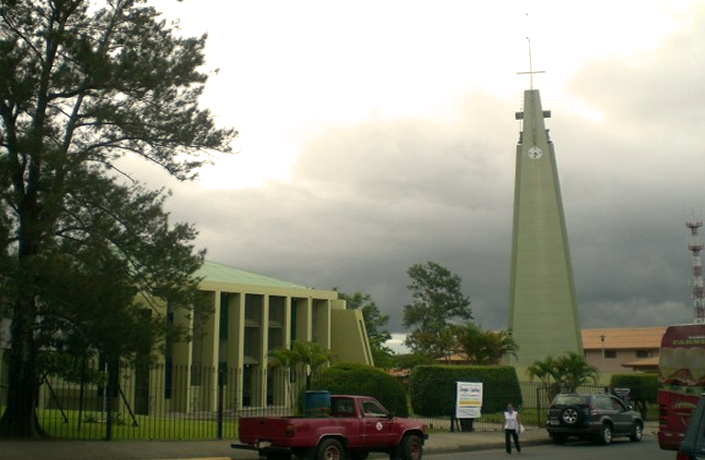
[511, 428]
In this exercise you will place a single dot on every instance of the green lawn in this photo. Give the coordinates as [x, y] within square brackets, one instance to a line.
[92, 427]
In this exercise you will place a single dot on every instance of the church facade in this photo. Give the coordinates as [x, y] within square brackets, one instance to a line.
[252, 315]
[228, 352]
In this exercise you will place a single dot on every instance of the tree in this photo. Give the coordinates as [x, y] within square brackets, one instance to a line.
[438, 301]
[564, 373]
[301, 356]
[643, 389]
[114, 316]
[485, 347]
[83, 86]
[442, 344]
[375, 323]
[576, 371]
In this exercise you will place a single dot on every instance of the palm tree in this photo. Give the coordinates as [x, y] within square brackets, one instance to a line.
[564, 373]
[576, 371]
[311, 355]
[485, 347]
[545, 370]
[307, 355]
[282, 358]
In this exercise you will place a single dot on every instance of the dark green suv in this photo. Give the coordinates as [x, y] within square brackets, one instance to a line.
[598, 417]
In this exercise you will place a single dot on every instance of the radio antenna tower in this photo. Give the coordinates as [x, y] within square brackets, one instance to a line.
[698, 291]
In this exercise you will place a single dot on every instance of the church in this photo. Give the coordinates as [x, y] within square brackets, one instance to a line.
[249, 315]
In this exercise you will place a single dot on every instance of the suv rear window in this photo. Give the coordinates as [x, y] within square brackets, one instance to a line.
[569, 400]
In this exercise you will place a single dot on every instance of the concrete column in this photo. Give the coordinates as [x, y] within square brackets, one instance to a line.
[264, 350]
[210, 343]
[321, 334]
[304, 320]
[235, 346]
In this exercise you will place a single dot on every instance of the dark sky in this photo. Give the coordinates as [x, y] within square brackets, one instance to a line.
[371, 189]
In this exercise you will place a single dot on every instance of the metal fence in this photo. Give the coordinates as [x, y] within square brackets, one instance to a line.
[167, 402]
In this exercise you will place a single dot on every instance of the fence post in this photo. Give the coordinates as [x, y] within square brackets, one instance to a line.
[221, 376]
[539, 410]
[109, 404]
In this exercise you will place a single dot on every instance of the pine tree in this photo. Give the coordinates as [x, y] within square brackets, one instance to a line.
[83, 86]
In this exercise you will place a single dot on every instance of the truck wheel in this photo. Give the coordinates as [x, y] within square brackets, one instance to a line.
[411, 448]
[330, 449]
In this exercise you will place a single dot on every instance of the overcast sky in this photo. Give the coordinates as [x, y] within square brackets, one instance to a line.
[379, 134]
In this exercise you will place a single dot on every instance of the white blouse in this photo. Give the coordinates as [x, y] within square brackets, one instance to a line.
[510, 420]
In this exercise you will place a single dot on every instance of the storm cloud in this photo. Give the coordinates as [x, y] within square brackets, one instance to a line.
[366, 199]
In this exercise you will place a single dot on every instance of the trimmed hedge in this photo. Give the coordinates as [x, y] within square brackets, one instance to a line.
[433, 388]
[360, 379]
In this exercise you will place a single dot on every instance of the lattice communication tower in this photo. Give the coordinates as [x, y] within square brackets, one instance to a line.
[698, 291]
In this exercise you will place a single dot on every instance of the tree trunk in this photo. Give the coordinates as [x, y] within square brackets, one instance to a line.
[20, 417]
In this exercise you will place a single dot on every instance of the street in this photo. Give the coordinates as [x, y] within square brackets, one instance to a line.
[647, 449]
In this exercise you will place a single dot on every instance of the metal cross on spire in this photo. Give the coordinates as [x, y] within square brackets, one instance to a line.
[531, 71]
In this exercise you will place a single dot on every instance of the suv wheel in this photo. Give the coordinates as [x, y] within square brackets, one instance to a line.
[637, 432]
[605, 434]
[572, 415]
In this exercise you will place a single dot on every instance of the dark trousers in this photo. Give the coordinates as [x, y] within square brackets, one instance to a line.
[508, 435]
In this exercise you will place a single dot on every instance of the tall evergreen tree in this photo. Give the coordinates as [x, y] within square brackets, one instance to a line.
[438, 303]
[83, 85]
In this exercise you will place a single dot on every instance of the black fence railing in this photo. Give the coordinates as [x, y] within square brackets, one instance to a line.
[166, 402]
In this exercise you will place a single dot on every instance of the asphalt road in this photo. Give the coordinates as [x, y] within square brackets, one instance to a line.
[647, 449]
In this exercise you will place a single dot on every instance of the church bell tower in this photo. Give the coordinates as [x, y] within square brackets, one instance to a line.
[543, 318]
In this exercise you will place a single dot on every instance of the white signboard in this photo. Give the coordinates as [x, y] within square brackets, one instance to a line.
[468, 400]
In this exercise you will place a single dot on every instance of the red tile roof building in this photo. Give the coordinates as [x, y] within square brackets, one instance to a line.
[625, 349]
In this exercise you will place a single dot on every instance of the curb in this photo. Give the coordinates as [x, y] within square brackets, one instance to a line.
[481, 446]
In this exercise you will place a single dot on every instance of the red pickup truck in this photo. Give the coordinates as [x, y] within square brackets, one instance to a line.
[353, 427]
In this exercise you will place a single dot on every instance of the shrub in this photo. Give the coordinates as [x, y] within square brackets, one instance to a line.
[360, 379]
[433, 388]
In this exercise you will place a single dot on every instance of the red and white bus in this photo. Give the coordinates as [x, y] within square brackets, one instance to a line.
[681, 380]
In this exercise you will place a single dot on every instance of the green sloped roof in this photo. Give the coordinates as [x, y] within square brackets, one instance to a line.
[215, 272]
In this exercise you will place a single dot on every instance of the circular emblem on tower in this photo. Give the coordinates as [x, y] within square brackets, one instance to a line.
[535, 152]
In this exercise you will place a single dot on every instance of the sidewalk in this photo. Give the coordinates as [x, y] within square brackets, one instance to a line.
[440, 442]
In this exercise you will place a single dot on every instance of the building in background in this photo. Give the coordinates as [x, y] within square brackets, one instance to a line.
[614, 350]
[622, 350]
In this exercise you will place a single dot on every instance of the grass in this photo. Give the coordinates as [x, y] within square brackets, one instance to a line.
[92, 427]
